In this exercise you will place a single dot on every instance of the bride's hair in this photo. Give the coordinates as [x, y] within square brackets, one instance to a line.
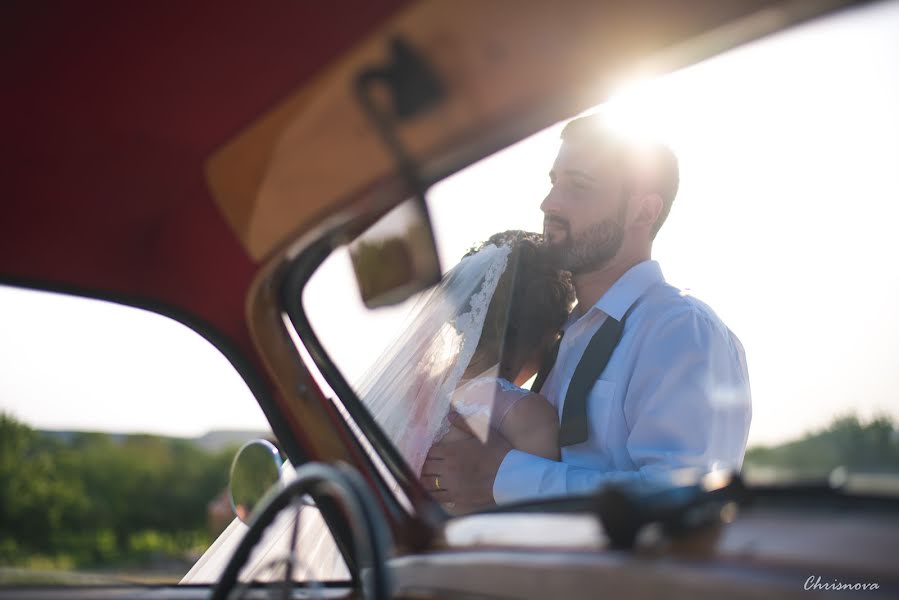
[531, 302]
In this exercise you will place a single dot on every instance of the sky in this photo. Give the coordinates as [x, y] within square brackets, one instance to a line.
[784, 224]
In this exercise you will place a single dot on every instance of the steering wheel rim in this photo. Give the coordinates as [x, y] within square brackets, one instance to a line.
[371, 537]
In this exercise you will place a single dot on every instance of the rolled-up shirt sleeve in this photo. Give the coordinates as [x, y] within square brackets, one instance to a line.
[687, 406]
[523, 476]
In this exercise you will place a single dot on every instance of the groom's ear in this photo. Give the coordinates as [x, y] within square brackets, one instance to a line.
[649, 209]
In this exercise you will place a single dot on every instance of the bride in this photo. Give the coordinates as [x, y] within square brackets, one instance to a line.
[473, 341]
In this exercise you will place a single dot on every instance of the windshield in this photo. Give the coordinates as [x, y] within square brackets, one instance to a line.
[757, 316]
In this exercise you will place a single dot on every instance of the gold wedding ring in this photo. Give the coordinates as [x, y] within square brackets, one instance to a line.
[436, 482]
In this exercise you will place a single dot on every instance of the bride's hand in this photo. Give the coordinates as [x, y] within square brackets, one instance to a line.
[460, 469]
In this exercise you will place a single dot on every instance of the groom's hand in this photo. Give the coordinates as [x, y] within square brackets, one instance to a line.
[464, 466]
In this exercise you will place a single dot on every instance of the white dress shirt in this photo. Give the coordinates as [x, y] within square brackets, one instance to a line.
[674, 395]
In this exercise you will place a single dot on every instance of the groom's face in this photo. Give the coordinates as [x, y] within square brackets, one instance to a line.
[585, 211]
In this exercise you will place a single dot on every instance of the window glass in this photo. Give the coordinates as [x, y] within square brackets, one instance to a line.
[117, 431]
[782, 227]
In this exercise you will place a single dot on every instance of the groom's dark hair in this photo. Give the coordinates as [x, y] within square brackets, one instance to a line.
[532, 300]
[647, 164]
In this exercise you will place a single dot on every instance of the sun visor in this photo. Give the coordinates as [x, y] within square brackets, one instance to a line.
[509, 68]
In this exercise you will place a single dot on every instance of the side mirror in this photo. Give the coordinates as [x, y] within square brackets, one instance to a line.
[396, 257]
[256, 469]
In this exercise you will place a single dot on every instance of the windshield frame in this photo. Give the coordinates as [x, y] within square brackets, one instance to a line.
[298, 271]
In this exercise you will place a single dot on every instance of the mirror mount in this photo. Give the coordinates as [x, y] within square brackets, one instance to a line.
[414, 88]
[391, 266]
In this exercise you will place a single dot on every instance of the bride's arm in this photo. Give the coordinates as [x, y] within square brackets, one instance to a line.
[532, 425]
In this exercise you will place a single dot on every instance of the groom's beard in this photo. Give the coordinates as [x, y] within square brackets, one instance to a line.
[592, 248]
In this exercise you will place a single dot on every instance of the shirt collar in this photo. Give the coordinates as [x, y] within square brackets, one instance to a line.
[635, 282]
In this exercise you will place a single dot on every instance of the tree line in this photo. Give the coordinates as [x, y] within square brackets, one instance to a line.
[93, 499]
[848, 442]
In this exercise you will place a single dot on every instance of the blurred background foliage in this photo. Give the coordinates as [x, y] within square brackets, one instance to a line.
[848, 442]
[96, 500]
[107, 502]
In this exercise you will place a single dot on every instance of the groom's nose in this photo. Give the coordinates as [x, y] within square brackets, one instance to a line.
[550, 204]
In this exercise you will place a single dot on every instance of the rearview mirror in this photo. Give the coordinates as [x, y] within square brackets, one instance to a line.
[396, 257]
[256, 470]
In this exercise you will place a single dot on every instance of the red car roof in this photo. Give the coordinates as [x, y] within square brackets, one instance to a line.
[110, 111]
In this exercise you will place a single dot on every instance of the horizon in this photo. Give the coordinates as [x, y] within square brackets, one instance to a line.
[801, 436]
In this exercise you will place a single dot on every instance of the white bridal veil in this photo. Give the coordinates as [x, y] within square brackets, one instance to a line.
[409, 387]
[408, 392]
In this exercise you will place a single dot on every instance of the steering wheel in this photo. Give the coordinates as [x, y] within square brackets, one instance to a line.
[371, 537]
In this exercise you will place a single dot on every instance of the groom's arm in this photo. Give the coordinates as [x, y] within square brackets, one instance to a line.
[687, 407]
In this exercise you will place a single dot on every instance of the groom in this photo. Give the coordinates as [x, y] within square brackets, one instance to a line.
[648, 381]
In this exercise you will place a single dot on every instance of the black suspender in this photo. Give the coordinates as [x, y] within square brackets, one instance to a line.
[574, 427]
